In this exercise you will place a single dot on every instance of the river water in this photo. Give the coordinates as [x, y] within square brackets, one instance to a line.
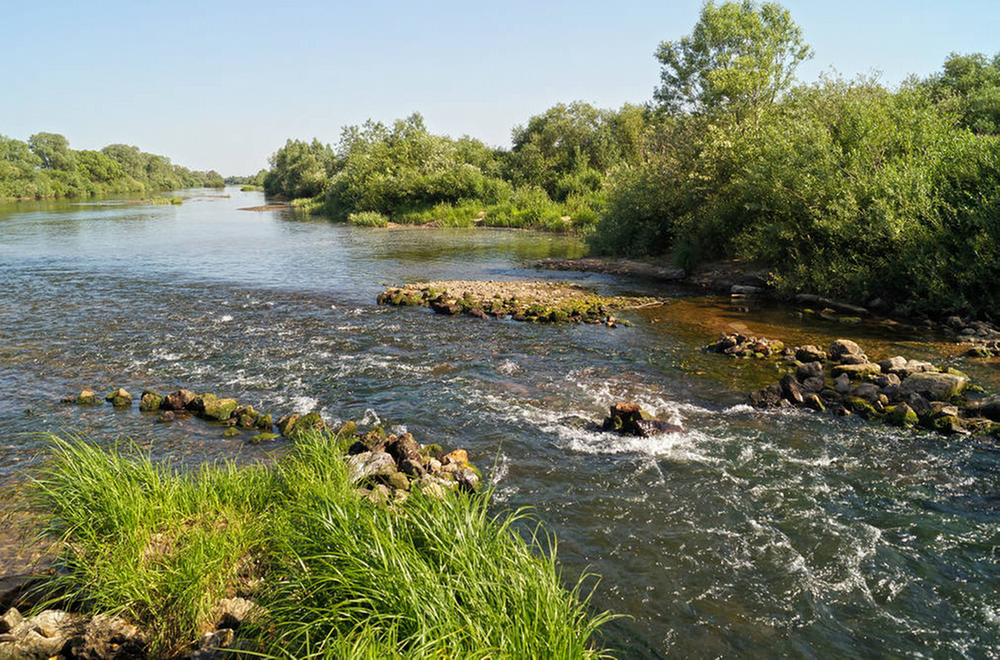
[749, 535]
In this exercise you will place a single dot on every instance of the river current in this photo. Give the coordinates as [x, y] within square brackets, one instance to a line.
[750, 534]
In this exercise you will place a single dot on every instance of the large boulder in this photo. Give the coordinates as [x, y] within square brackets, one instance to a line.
[934, 386]
[404, 447]
[988, 408]
[309, 422]
[893, 365]
[790, 389]
[809, 370]
[810, 353]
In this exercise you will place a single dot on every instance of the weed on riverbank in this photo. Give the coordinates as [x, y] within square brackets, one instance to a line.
[332, 573]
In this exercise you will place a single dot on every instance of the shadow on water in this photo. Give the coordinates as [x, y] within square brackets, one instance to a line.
[750, 534]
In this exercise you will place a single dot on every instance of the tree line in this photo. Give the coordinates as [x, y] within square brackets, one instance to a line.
[846, 188]
[45, 167]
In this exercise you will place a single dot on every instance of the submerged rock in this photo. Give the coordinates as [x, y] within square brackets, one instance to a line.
[150, 401]
[119, 398]
[629, 419]
[178, 400]
[87, 397]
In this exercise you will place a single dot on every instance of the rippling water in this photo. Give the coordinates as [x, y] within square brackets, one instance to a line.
[750, 534]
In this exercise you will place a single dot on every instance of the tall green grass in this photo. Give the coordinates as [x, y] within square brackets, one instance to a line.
[336, 575]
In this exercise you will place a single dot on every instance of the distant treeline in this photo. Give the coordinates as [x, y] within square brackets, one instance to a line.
[840, 187]
[45, 167]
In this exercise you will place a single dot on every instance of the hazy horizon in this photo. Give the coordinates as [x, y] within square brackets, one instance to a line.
[222, 87]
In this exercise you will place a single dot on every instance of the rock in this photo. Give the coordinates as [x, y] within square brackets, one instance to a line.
[309, 422]
[458, 456]
[231, 432]
[935, 386]
[647, 428]
[915, 367]
[887, 380]
[467, 479]
[107, 637]
[12, 619]
[398, 481]
[842, 384]
[809, 370]
[165, 417]
[413, 468]
[403, 448]
[369, 465]
[857, 371]
[813, 385]
[810, 353]
[767, 397]
[894, 365]
[745, 290]
[903, 415]
[264, 422]
[87, 397]
[790, 389]
[867, 391]
[989, 408]
[42, 636]
[918, 403]
[955, 322]
[347, 430]
[232, 612]
[948, 425]
[861, 407]
[814, 402]
[263, 437]
[119, 398]
[214, 644]
[246, 417]
[854, 359]
[150, 401]
[178, 400]
[287, 423]
[213, 408]
[841, 347]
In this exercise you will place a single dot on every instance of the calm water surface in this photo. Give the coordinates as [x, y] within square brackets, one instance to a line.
[751, 534]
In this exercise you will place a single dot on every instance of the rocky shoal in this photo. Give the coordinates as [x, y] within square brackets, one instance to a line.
[532, 302]
[899, 391]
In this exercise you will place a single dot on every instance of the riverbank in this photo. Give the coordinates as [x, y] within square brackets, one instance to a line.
[165, 553]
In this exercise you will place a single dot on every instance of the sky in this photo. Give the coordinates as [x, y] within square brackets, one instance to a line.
[222, 85]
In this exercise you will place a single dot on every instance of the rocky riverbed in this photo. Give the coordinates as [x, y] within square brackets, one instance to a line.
[532, 302]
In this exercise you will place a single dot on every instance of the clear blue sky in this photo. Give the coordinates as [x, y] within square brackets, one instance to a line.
[222, 84]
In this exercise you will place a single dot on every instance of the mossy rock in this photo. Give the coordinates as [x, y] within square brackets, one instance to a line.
[87, 397]
[347, 430]
[246, 417]
[231, 432]
[309, 422]
[287, 423]
[399, 481]
[431, 451]
[119, 398]
[265, 422]
[213, 408]
[263, 437]
[558, 316]
[861, 407]
[150, 401]
[902, 415]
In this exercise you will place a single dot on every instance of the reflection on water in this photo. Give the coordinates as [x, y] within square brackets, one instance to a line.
[751, 533]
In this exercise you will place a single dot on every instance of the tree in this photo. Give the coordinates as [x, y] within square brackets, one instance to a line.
[971, 84]
[740, 57]
[54, 151]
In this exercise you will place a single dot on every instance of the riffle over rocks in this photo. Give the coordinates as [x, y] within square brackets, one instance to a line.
[532, 302]
[899, 391]
[629, 419]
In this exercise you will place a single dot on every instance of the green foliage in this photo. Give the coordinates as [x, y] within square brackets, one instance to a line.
[45, 167]
[367, 219]
[971, 85]
[300, 169]
[342, 577]
[740, 57]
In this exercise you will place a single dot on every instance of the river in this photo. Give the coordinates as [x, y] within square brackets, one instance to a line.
[751, 534]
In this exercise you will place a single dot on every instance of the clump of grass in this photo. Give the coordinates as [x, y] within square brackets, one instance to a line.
[251, 188]
[367, 219]
[463, 213]
[337, 575]
[159, 200]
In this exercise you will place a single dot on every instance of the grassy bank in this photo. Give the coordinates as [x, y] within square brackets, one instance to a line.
[334, 574]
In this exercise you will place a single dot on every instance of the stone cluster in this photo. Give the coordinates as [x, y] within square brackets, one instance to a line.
[386, 467]
[900, 391]
[630, 419]
[738, 345]
[530, 302]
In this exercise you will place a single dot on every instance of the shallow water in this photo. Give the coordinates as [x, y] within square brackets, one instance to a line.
[750, 534]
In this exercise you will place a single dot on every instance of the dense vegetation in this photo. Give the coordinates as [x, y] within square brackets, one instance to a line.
[840, 187]
[336, 575]
[45, 167]
[552, 178]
